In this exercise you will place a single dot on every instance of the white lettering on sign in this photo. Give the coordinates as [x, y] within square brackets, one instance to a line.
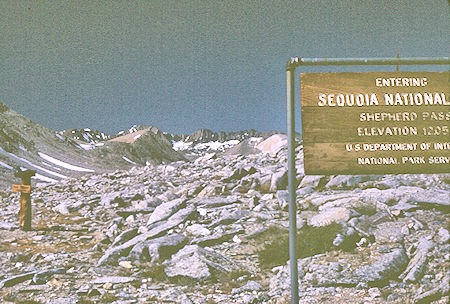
[390, 99]
[377, 160]
[442, 146]
[382, 116]
[436, 116]
[373, 147]
[375, 122]
[439, 160]
[383, 131]
[390, 147]
[401, 82]
[341, 100]
[413, 160]
[418, 99]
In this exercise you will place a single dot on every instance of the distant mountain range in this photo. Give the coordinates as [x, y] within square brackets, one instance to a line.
[200, 136]
[56, 155]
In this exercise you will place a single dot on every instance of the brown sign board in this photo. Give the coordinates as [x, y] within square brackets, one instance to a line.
[21, 188]
[375, 122]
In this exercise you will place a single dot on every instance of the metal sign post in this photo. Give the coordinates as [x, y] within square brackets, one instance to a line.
[292, 181]
[291, 65]
[25, 200]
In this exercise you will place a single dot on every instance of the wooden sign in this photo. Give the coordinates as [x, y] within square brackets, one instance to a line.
[21, 188]
[375, 122]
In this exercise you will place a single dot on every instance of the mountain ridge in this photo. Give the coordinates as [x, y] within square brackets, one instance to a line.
[57, 155]
[27, 145]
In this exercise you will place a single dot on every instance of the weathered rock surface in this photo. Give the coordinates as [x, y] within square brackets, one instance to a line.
[273, 144]
[417, 264]
[330, 215]
[215, 230]
[158, 249]
[165, 210]
[387, 266]
[113, 253]
[199, 263]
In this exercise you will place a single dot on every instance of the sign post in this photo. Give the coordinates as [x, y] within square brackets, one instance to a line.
[25, 200]
[291, 65]
[292, 181]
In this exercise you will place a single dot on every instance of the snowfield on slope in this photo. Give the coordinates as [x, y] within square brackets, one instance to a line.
[208, 146]
[44, 178]
[33, 165]
[5, 165]
[63, 164]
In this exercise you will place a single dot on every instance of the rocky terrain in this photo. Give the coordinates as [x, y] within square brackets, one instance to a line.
[213, 229]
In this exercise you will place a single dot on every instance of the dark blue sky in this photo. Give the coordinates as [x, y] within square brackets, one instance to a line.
[186, 65]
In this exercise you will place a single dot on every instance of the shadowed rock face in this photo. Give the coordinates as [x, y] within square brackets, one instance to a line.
[203, 135]
[148, 147]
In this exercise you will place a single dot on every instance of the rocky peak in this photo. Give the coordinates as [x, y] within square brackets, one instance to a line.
[202, 135]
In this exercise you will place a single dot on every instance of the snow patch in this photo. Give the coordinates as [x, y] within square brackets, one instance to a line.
[181, 145]
[87, 147]
[137, 136]
[44, 178]
[129, 160]
[216, 145]
[60, 137]
[6, 165]
[209, 146]
[33, 165]
[63, 164]
[133, 129]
